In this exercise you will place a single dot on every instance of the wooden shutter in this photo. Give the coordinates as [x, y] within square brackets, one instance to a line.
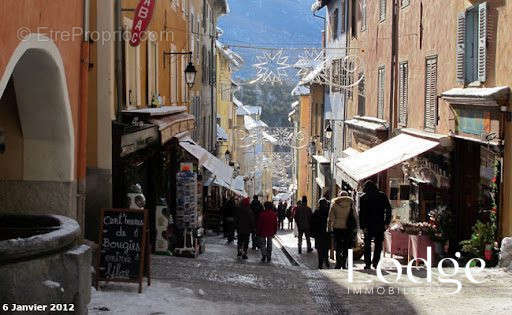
[334, 24]
[342, 21]
[382, 10]
[461, 49]
[482, 42]
[380, 96]
[403, 93]
[363, 15]
[431, 94]
[361, 99]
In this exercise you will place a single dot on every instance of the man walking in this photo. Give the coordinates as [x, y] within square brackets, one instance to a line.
[281, 214]
[245, 225]
[303, 220]
[374, 218]
[342, 222]
[320, 233]
[256, 208]
[266, 229]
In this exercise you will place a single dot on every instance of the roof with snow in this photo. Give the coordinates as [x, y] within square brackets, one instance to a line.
[221, 134]
[251, 123]
[300, 90]
[236, 60]
[495, 92]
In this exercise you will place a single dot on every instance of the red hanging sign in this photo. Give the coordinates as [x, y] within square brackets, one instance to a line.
[143, 15]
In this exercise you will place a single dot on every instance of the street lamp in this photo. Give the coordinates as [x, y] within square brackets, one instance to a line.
[328, 132]
[227, 156]
[190, 74]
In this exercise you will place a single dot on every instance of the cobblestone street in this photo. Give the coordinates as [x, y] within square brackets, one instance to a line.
[218, 283]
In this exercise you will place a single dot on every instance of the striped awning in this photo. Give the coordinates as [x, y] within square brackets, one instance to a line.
[171, 125]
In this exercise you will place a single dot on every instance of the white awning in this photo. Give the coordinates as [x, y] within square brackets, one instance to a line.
[321, 159]
[206, 159]
[354, 169]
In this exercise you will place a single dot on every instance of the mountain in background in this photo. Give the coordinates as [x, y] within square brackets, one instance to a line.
[269, 23]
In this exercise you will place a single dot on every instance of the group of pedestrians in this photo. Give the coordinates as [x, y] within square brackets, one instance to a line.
[336, 219]
[252, 221]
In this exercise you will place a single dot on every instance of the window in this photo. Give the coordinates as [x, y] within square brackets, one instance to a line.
[334, 24]
[361, 98]
[382, 10]
[472, 44]
[174, 77]
[431, 94]
[342, 21]
[336, 75]
[133, 97]
[152, 70]
[184, 91]
[403, 93]
[380, 92]
[204, 67]
[363, 15]
[405, 3]
[353, 25]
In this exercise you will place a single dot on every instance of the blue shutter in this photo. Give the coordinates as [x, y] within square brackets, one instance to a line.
[461, 50]
[482, 42]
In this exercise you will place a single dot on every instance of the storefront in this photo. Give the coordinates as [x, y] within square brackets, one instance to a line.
[478, 131]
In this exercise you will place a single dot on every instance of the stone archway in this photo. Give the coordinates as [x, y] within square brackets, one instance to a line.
[39, 171]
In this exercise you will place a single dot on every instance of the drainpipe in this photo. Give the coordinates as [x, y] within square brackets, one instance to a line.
[118, 57]
[84, 77]
[394, 68]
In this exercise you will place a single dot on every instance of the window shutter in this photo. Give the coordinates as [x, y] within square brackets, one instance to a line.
[404, 93]
[461, 42]
[363, 15]
[380, 96]
[431, 94]
[382, 10]
[482, 42]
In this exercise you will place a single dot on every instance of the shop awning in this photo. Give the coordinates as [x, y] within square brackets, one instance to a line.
[321, 159]
[236, 185]
[171, 125]
[206, 159]
[354, 169]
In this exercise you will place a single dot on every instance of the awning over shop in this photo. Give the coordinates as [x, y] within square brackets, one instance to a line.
[206, 159]
[222, 135]
[171, 125]
[321, 159]
[236, 184]
[354, 169]
[318, 4]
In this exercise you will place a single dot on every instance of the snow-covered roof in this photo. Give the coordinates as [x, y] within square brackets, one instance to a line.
[495, 92]
[248, 110]
[251, 123]
[158, 111]
[269, 138]
[295, 104]
[318, 4]
[368, 123]
[237, 102]
[300, 90]
[221, 133]
[236, 60]
[313, 74]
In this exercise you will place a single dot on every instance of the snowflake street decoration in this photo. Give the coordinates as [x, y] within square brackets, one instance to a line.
[278, 136]
[308, 61]
[271, 67]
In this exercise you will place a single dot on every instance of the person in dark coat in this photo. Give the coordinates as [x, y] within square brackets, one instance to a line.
[374, 218]
[229, 220]
[303, 219]
[281, 214]
[245, 225]
[320, 233]
[266, 229]
[256, 208]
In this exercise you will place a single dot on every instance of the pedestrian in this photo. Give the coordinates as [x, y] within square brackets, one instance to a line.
[229, 220]
[245, 226]
[256, 208]
[281, 214]
[320, 233]
[266, 229]
[374, 218]
[303, 219]
[343, 224]
[289, 216]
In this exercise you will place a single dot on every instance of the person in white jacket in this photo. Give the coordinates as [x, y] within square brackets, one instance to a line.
[342, 222]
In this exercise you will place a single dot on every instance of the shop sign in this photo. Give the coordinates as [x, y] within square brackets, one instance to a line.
[143, 15]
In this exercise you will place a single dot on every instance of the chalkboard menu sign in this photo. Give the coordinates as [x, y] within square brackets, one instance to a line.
[122, 246]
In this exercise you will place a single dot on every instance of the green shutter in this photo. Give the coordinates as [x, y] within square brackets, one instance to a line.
[482, 42]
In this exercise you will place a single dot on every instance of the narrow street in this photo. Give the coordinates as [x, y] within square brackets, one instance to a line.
[218, 283]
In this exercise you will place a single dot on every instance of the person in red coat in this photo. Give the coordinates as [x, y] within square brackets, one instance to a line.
[266, 228]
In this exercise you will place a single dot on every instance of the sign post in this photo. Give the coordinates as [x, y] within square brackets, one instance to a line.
[122, 246]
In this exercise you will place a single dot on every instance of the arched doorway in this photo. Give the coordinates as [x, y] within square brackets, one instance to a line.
[37, 169]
